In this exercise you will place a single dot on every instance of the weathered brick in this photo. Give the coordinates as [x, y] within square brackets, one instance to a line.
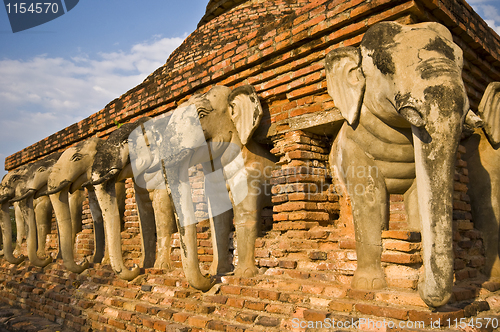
[234, 290]
[216, 325]
[180, 317]
[198, 321]
[269, 295]
[235, 302]
[246, 318]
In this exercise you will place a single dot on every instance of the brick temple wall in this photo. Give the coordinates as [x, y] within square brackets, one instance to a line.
[279, 48]
[306, 252]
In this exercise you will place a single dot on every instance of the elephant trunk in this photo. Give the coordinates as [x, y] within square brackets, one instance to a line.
[4, 198]
[8, 251]
[31, 237]
[29, 192]
[106, 195]
[60, 204]
[435, 154]
[61, 186]
[180, 190]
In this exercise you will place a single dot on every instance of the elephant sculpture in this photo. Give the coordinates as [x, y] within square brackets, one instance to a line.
[404, 101]
[36, 208]
[112, 165]
[7, 192]
[64, 187]
[483, 160]
[215, 129]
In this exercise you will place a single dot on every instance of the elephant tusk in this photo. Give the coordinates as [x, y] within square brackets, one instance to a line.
[111, 174]
[41, 193]
[473, 120]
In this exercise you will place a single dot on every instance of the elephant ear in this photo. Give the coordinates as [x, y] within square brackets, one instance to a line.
[489, 112]
[345, 81]
[245, 110]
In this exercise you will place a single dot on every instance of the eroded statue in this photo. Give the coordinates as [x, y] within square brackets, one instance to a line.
[36, 208]
[111, 166]
[404, 101]
[64, 187]
[483, 163]
[214, 129]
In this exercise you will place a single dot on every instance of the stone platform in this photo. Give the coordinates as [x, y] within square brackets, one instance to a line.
[162, 301]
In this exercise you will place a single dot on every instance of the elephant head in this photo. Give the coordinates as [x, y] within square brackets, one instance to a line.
[213, 129]
[71, 170]
[112, 157]
[36, 178]
[7, 191]
[35, 207]
[404, 101]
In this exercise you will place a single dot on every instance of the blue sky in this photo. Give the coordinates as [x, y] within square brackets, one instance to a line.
[58, 73]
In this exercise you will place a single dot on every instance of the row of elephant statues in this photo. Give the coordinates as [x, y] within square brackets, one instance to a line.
[406, 110]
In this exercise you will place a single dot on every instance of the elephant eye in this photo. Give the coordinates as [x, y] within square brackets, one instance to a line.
[41, 169]
[203, 113]
[76, 157]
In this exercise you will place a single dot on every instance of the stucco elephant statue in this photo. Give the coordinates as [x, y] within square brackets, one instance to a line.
[215, 129]
[112, 165]
[403, 98]
[7, 192]
[36, 208]
[64, 187]
[483, 163]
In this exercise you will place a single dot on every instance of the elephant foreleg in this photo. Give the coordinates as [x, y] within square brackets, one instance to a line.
[43, 215]
[7, 236]
[75, 201]
[411, 207]
[147, 226]
[165, 226]
[221, 227]
[121, 195]
[247, 224]
[99, 245]
[369, 198]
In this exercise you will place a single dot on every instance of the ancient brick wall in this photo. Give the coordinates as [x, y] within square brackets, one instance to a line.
[279, 48]
[306, 252]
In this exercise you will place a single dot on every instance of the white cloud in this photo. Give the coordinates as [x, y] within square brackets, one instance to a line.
[43, 95]
[492, 16]
[489, 10]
